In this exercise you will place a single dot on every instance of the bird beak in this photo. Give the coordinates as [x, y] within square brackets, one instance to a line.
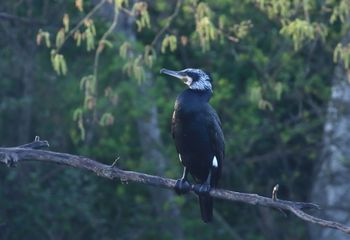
[177, 74]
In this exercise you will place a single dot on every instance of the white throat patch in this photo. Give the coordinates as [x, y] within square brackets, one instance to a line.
[188, 81]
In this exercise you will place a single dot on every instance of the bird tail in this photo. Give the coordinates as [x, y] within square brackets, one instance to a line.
[206, 206]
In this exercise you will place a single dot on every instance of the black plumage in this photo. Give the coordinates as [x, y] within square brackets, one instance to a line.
[198, 137]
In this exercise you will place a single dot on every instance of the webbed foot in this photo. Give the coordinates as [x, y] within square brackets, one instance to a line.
[182, 186]
[202, 189]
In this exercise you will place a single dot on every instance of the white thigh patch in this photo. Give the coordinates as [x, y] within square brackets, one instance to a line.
[180, 158]
[215, 162]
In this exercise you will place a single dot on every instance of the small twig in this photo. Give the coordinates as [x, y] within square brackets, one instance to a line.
[19, 154]
[127, 11]
[24, 20]
[114, 164]
[274, 192]
[167, 25]
[99, 49]
[274, 198]
[228, 36]
[81, 22]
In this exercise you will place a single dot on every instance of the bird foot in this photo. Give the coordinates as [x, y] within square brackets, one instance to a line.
[182, 186]
[202, 189]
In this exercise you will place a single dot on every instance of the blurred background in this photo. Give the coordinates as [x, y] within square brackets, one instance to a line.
[84, 75]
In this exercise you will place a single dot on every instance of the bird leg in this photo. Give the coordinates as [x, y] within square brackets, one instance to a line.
[203, 189]
[182, 185]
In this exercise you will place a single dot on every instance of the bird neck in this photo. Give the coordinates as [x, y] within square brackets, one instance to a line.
[197, 95]
[192, 100]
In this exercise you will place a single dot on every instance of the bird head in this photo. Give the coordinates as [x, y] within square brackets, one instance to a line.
[195, 79]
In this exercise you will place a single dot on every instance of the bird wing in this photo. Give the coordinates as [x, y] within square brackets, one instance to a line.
[216, 135]
[173, 126]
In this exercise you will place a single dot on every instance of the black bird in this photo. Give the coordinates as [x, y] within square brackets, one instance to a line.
[198, 136]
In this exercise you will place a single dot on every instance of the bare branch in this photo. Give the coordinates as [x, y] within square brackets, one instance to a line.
[101, 45]
[24, 20]
[81, 22]
[167, 25]
[27, 152]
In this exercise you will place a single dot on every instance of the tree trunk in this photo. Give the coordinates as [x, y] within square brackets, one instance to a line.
[331, 187]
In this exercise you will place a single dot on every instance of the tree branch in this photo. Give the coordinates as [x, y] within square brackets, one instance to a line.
[167, 25]
[81, 22]
[25, 20]
[101, 45]
[32, 152]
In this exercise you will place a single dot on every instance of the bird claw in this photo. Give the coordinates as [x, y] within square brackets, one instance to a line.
[182, 186]
[202, 189]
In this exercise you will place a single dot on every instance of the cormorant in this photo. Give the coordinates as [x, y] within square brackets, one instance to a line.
[198, 136]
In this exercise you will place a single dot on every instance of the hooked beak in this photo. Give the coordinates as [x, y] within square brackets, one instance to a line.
[177, 74]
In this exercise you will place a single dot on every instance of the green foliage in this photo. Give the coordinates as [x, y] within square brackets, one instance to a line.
[58, 63]
[79, 118]
[149, 55]
[107, 119]
[279, 8]
[140, 10]
[341, 10]
[119, 3]
[270, 98]
[301, 31]
[60, 38]
[79, 4]
[66, 22]
[134, 68]
[342, 53]
[43, 35]
[286, 9]
[256, 96]
[278, 87]
[123, 50]
[170, 42]
[255, 93]
[204, 27]
[89, 34]
[106, 43]
[241, 30]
